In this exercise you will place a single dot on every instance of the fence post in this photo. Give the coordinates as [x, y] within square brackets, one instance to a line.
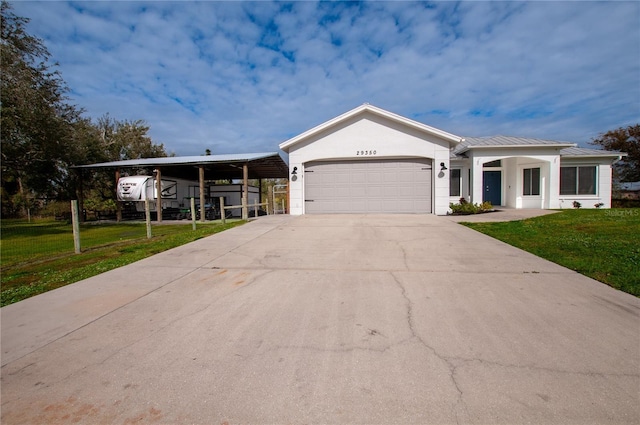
[75, 220]
[223, 216]
[255, 209]
[193, 213]
[245, 191]
[147, 214]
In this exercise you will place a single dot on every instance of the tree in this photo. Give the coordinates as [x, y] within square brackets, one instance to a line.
[36, 120]
[623, 140]
[42, 134]
[105, 141]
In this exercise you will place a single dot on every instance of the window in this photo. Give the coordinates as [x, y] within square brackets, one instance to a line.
[454, 182]
[531, 180]
[578, 180]
[496, 163]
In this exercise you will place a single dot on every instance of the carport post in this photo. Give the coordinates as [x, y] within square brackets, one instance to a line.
[202, 199]
[159, 195]
[193, 213]
[245, 191]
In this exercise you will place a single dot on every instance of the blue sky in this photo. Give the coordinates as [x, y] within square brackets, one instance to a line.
[245, 76]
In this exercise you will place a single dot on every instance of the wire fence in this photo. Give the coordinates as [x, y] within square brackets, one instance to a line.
[44, 253]
[64, 232]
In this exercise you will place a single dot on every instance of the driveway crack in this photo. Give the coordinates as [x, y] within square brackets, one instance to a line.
[449, 362]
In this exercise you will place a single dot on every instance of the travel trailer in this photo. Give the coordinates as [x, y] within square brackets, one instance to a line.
[177, 194]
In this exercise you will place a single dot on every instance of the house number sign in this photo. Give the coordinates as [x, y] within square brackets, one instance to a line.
[365, 153]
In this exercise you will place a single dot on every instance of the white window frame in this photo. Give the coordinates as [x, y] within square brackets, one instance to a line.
[459, 182]
[530, 169]
[576, 192]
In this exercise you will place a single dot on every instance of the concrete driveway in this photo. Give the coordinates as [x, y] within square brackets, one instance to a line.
[327, 319]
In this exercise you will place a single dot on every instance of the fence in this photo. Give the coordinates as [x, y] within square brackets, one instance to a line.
[38, 238]
[245, 210]
[43, 253]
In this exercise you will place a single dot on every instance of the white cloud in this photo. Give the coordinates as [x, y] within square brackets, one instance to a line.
[243, 76]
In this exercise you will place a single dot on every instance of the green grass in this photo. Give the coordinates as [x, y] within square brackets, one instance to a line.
[38, 257]
[601, 244]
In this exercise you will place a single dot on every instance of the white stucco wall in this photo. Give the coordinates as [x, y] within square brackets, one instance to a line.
[520, 200]
[378, 138]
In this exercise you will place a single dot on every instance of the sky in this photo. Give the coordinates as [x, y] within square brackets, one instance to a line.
[241, 77]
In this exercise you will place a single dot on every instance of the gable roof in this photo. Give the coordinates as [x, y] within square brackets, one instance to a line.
[364, 108]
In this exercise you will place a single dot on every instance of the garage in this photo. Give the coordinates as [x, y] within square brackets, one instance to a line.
[369, 161]
[368, 186]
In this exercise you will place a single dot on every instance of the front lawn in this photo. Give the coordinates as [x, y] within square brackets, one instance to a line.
[38, 257]
[601, 244]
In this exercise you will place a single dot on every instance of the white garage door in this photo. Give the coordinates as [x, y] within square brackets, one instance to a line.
[368, 186]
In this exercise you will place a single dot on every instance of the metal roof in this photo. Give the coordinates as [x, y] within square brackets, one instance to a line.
[567, 149]
[507, 142]
[585, 152]
[229, 166]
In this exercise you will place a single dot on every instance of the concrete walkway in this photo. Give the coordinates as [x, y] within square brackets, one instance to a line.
[502, 214]
[327, 319]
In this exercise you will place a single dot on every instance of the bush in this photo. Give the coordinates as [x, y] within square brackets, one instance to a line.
[466, 208]
[625, 203]
[56, 209]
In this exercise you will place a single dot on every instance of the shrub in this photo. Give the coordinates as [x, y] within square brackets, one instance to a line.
[466, 208]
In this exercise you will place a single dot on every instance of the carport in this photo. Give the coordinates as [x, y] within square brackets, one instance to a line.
[202, 168]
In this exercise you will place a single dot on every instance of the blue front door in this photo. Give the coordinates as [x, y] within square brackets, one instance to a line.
[492, 187]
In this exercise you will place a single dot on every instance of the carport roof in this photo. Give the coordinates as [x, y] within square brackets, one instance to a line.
[228, 166]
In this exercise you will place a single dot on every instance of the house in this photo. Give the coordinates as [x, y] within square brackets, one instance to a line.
[369, 160]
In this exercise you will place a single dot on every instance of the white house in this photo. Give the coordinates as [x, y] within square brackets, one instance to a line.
[369, 160]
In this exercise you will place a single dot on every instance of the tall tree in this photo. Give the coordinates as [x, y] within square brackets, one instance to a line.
[127, 139]
[111, 140]
[42, 134]
[624, 140]
[36, 120]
